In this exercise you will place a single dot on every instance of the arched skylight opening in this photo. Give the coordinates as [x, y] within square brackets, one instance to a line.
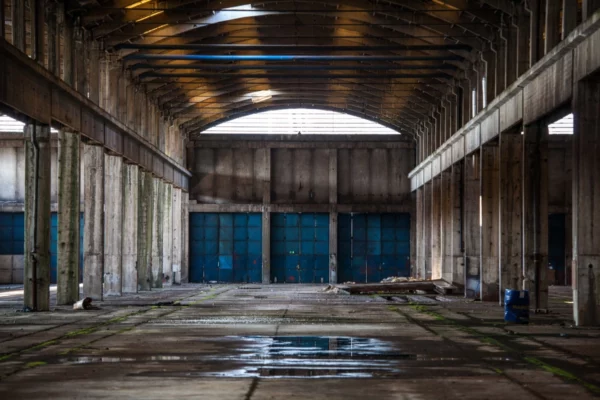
[302, 121]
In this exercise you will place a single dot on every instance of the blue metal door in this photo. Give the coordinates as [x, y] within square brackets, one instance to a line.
[372, 247]
[12, 233]
[225, 247]
[300, 248]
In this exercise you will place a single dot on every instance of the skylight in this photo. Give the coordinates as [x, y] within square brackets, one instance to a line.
[300, 121]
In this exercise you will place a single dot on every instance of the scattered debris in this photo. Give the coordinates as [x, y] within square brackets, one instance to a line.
[335, 290]
[378, 288]
[443, 287]
[83, 304]
[400, 279]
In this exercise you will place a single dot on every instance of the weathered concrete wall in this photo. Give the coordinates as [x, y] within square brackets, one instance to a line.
[366, 174]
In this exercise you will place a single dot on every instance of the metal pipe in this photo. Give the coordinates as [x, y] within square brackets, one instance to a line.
[280, 57]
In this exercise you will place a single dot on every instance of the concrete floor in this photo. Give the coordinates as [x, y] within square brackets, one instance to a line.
[292, 341]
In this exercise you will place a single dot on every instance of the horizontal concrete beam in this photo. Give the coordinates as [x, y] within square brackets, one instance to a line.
[29, 89]
[284, 141]
[511, 101]
[307, 208]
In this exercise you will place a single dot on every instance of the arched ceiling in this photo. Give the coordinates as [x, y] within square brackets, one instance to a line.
[387, 61]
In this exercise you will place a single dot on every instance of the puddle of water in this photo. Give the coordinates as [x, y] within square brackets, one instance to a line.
[284, 357]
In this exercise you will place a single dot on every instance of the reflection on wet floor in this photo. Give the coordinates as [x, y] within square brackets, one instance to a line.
[284, 356]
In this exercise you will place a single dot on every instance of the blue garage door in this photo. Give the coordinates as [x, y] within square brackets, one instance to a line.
[373, 247]
[12, 236]
[54, 247]
[300, 248]
[12, 233]
[225, 247]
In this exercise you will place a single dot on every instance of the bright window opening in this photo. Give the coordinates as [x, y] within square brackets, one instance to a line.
[473, 103]
[11, 125]
[300, 121]
[484, 91]
[563, 126]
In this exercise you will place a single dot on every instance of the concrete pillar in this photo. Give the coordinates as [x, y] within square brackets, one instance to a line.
[447, 216]
[535, 213]
[167, 218]
[586, 215]
[68, 57]
[113, 225]
[185, 249]
[67, 290]
[426, 272]
[2, 19]
[131, 201]
[523, 54]
[511, 63]
[38, 34]
[536, 32]
[333, 216]
[511, 188]
[266, 246]
[177, 236]
[552, 36]
[436, 226]
[37, 218]
[490, 218]
[589, 7]
[157, 233]
[266, 217]
[18, 24]
[93, 223]
[569, 17]
[472, 228]
[145, 230]
[53, 38]
[456, 236]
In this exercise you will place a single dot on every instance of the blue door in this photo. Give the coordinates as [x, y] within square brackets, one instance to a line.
[372, 247]
[300, 248]
[225, 247]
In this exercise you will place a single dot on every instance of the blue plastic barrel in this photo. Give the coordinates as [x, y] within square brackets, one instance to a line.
[516, 306]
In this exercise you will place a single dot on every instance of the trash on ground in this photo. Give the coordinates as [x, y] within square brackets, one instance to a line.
[83, 304]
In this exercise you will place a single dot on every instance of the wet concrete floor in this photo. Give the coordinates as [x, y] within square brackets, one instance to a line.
[293, 341]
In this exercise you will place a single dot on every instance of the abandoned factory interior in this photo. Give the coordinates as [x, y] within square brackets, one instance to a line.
[308, 199]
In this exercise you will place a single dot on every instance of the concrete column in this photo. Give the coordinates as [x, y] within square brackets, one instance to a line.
[589, 7]
[490, 218]
[68, 57]
[18, 24]
[569, 17]
[157, 233]
[523, 54]
[67, 290]
[266, 217]
[2, 19]
[511, 200]
[510, 66]
[93, 223]
[113, 225]
[436, 226]
[420, 243]
[145, 230]
[552, 36]
[37, 218]
[177, 236]
[536, 32]
[333, 216]
[53, 38]
[185, 226]
[456, 220]
[586, 215]
[472, 228]
[535, 213]
[131, 201]
[266, 247]
[167, 217]
[38, 34]
[426, 272]
[447, 216]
